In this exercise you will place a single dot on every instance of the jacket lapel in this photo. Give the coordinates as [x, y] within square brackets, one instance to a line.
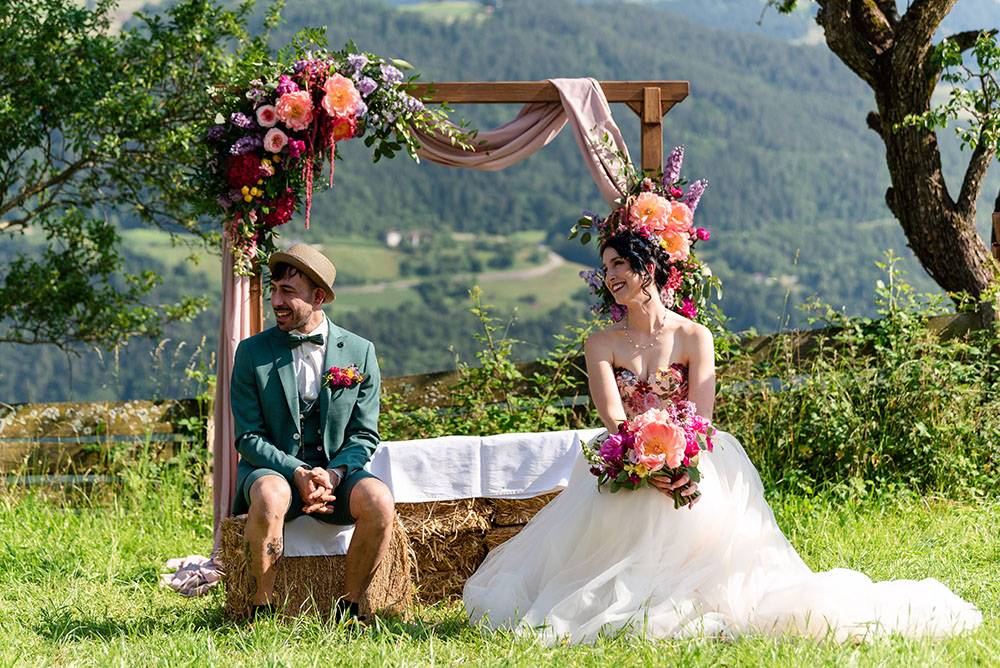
[286, 373]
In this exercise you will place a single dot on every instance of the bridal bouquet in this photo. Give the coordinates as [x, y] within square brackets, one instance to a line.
[663, 442]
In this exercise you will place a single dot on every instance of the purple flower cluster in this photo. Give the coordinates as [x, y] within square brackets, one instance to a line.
[594, 279]
[366, 86]
[672, 167]
[412, 104]
[216, 133]
[390, 74]
[245, 145]
[357, 61]
[694, 194]
[241, 120]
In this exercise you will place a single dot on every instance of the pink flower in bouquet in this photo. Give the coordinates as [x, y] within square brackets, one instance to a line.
[275, 140]
[677, 243]
[675, 279]
[613, 449]
[703, 234]
[341, 97]
[296, 147]
[295, 110]
[267, 116]
[658, 441]
[344, 127]
[650, 210]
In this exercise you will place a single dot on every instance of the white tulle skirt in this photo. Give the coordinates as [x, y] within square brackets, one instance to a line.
[594, 563]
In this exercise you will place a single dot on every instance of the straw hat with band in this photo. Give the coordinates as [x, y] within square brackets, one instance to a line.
[310, 262]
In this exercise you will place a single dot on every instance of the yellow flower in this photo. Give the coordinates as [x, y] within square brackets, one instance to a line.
[247, 198]
[245, 189]
[260, 182]
[277, 158]
[266, 161]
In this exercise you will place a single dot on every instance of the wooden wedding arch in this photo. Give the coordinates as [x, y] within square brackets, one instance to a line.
[650, 100]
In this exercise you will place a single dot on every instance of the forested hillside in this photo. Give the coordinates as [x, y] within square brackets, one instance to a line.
[794, 201]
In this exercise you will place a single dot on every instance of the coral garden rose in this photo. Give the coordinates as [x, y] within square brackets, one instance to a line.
[676, 243]
[275, 140]
[649, 209]
[267, 117]
[679, 216]
[341, 97]
[295, 110]
[658, 441]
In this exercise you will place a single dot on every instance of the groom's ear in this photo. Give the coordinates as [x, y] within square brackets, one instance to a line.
[319, 294]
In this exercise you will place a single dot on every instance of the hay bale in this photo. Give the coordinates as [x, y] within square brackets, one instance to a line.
[499, 536]
[511, 512]
[463, 551]
[312, 584]
[443, 518]
[437, 586]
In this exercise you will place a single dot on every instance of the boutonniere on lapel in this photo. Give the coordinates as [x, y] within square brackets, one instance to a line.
[342, 376]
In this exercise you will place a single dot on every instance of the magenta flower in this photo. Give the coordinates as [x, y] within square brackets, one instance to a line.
[688, 309]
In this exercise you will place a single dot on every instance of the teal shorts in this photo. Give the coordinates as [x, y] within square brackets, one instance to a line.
[341, 506]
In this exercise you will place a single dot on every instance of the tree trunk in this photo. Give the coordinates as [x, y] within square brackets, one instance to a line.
[892, 54]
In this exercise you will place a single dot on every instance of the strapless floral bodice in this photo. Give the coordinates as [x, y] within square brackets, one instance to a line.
[665, 384]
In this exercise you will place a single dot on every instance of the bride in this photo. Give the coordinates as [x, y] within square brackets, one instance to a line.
[593, 563]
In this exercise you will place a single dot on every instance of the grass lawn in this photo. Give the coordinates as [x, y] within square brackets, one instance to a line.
[78, 585]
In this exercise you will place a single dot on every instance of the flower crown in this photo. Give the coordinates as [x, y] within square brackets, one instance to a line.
[661, 212]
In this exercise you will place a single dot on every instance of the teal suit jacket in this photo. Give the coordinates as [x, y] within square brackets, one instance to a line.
[265, 401]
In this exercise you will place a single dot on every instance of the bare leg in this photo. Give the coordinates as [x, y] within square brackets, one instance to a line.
[263, 536]
[371, 504]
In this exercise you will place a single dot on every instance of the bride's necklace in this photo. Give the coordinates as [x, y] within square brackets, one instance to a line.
[655, 334]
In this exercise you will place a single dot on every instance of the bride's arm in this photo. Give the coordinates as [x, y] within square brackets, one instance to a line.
[701, 372]
[601, 380]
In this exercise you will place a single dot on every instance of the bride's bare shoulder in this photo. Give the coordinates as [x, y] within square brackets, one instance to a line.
[602, 339]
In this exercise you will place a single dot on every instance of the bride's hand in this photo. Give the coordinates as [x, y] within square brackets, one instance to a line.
[683, 484]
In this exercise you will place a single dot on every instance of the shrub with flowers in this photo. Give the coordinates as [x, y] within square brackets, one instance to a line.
[273, 134]
[661, 211]
[661, 442]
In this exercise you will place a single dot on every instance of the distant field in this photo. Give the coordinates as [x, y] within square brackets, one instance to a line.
[446, 11]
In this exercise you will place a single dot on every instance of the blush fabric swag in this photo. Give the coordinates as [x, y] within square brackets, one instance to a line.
[586, 109]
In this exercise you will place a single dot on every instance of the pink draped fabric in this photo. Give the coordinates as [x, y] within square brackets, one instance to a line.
[195, 574]
[583, 106]
[537, 124]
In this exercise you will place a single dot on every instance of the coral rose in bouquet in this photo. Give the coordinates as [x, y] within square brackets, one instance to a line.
[665, 442]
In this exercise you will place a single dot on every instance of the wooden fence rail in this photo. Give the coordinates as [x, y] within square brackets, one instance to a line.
[80, 439]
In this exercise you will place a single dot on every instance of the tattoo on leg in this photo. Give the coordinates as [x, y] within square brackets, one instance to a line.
[274, 548]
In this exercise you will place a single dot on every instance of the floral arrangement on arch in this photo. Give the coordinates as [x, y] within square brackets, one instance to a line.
[273, 134]
[660, 210]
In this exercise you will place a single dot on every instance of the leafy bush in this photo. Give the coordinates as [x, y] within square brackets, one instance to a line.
[887, 401]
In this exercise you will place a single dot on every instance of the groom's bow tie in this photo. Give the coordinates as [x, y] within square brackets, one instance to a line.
[296, 340]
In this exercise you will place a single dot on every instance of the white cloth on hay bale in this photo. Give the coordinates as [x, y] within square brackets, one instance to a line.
[511, 466]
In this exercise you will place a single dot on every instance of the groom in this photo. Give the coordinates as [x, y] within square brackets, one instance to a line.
[305, 400]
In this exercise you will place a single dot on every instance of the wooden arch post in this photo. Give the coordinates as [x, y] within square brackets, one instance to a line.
[650, 100]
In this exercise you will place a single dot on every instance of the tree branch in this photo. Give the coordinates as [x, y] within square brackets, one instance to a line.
[972, 183]
[844, 39]
[915, 33]
[58, 179]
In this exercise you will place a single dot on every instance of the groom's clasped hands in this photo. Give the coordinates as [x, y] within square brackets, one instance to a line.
[315, 486]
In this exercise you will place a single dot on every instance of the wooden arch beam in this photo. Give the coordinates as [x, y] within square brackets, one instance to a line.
[650, 100]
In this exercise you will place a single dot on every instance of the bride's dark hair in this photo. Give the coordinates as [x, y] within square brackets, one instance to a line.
[640, 253]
